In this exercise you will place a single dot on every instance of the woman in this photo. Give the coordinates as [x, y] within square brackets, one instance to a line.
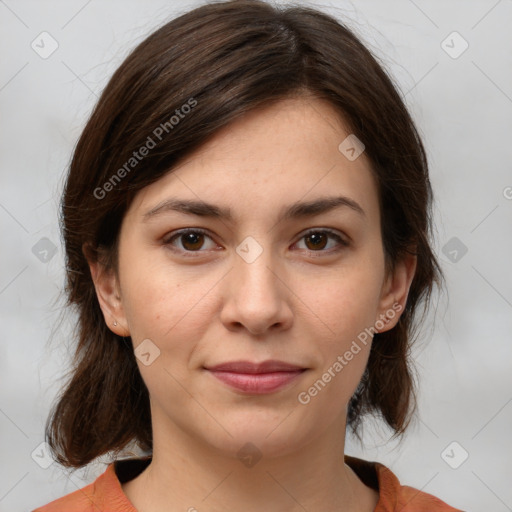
[247, 229]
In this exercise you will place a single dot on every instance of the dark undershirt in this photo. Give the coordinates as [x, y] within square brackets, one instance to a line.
[128, 469]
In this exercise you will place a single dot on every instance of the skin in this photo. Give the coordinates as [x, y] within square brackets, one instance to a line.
[297, 302]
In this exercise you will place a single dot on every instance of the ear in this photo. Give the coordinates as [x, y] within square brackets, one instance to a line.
[395, 290]
[108, 293]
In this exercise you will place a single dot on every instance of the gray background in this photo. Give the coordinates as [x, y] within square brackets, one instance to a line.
[463, 107]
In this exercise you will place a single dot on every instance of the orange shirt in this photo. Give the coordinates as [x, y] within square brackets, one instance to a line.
[105, 494]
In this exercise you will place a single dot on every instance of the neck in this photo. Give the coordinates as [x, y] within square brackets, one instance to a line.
[193, 477]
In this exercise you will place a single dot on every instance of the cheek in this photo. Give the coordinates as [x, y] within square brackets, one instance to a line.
[346, 302]
[345, 308]
[171, 306]
[346, 313]
[174, 316]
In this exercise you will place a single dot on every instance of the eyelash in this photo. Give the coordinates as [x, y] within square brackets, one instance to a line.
[191, 254]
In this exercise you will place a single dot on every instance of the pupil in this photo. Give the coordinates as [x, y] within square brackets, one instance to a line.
[316, 237]
[192, 238]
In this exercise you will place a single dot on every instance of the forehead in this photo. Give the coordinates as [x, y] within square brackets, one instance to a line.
[270, 157]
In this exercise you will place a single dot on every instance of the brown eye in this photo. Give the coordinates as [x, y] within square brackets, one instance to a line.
[191, 240]
[316, 241]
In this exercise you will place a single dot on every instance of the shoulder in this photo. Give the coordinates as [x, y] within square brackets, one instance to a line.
[406, 498]
[79, 500]
[105, 493]
[392, 495]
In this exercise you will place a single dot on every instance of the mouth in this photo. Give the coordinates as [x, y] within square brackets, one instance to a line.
[256, 378]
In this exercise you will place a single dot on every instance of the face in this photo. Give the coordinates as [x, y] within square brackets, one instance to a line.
[272, 281]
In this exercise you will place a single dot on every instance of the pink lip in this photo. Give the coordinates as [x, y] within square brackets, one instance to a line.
[256, 378]
[269, 366]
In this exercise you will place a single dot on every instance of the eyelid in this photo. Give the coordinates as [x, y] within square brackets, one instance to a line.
[340, 238]
[167, 239]
[343, 239]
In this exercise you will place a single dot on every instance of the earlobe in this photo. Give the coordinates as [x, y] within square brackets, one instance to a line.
[108, 294]
[395, 292]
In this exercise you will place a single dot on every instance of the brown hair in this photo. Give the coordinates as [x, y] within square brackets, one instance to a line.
[223, 60]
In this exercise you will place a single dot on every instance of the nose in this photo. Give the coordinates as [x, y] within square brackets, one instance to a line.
[256, 296]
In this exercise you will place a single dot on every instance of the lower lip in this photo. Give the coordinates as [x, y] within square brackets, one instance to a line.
[259, 383]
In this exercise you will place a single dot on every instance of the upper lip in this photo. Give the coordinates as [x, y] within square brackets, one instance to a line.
[250, 367]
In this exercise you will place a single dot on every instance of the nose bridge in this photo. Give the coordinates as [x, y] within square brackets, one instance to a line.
[253, 266]
[255, 294]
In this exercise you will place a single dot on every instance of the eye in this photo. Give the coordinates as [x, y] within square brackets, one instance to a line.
[317, 239]
[192, 240]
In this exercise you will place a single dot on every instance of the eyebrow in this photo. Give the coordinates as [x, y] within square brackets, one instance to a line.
[295, 210]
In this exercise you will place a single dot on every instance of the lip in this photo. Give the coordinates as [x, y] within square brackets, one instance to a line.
[269, 366]
[256, 378]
